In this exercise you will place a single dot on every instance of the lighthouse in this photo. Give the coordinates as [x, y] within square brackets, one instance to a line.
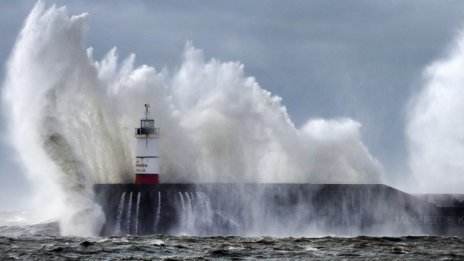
[147, 156]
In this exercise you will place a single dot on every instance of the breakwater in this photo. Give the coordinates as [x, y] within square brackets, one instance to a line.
[274, 209]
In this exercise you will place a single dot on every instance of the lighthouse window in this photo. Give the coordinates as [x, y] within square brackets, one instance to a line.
[148, 123]
[146, 127]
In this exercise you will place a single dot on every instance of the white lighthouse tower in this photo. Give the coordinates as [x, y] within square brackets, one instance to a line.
[147, 156]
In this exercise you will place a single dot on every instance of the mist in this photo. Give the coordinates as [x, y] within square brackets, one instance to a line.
[435, 127]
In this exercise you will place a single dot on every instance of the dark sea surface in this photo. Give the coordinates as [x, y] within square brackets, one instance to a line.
[27, 243]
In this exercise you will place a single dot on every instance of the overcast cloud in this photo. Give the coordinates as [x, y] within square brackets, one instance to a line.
[330, 59]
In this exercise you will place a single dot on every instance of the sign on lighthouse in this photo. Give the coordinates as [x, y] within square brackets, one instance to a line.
[147, 156]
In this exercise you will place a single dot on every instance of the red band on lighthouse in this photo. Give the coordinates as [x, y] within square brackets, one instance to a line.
[146, 179]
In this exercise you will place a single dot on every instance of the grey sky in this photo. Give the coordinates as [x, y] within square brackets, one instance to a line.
[330, 59]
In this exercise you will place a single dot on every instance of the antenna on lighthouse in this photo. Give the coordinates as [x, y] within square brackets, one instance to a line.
[147, 110]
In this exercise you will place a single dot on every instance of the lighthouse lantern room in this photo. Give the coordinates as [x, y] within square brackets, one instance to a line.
[147, 155]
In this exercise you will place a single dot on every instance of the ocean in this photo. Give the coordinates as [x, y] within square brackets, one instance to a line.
[43, 242]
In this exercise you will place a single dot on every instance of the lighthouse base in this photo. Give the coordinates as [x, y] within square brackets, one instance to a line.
[146, 179]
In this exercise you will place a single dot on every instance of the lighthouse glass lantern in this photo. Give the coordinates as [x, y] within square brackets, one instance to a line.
[147, 155]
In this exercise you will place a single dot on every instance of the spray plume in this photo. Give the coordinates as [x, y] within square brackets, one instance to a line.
[71, 120]
[435, 131]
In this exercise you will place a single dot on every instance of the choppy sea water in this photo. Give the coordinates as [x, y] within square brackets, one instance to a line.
[38, 243]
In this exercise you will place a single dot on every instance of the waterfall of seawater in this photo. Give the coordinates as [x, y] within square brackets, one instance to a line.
[195, 212]
[189, 216]
[193, 209]
[137, 210]
[205, 208]
[158, 213]
[119, 213]
[129, 214]
[183, 215]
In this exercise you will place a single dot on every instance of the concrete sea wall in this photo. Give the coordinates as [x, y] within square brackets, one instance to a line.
[274, 210]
